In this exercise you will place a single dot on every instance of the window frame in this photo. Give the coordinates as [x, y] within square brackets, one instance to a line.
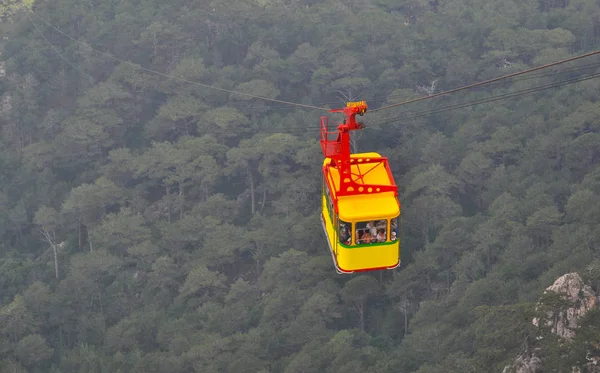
[397, 230]
[356, 228]
[327, 194]
[339, 226]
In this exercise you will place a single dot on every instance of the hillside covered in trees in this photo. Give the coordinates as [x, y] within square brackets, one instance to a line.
[152, 224]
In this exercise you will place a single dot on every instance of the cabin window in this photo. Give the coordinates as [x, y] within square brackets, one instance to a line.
[371, 231]
[330, 206]
[394, 229]
[345, 233]
[329, 202]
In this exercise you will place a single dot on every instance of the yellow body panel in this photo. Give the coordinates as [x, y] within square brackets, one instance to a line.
[368, 207]
[362, 208]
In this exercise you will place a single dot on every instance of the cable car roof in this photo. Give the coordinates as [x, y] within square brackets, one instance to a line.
[366, 207]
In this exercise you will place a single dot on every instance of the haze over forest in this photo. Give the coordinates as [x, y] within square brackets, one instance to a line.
[149, 224]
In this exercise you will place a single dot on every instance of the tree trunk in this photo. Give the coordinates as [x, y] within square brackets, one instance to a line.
[353, 143]
[168, 203]
[360, 307]
[20, 232]
[264, 200]
[405, 321]
[404, 303]
[101, 309]
[252, 191]
[256, 256]
[87, 230]
[50, 239]
[181, 201]
[55, 261]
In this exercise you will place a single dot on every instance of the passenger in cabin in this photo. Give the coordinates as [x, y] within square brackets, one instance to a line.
[344, 234]
[359, 236]
[343, 237]
[372, 228]
[366, 237]
[381, 235]
[394, 238]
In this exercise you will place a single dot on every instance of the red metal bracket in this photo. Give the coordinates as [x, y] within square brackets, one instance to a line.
[336, 145]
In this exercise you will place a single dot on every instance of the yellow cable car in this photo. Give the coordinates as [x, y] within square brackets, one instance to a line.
[361, 210]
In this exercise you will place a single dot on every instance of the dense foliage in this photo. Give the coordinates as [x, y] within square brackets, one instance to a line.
[153, 225]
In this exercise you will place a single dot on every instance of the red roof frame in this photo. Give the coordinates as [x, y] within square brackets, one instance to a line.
[337, 148]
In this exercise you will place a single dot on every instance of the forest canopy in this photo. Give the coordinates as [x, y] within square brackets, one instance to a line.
[151, 224]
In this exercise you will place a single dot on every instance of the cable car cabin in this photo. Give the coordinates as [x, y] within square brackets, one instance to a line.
[360, 201]
[362, 232]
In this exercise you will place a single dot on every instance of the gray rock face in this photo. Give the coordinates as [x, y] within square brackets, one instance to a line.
[562, 322]
[572, 287]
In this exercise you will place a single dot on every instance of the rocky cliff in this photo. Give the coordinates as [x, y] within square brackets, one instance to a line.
[562, 322]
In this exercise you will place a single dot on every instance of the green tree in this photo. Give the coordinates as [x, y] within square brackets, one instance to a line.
[120, 232]
[201, 284]
[32, 350]
[582, 207]
[87, 203]
[473, 171]
[357, 292]
[82, 359]
[48, 221]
